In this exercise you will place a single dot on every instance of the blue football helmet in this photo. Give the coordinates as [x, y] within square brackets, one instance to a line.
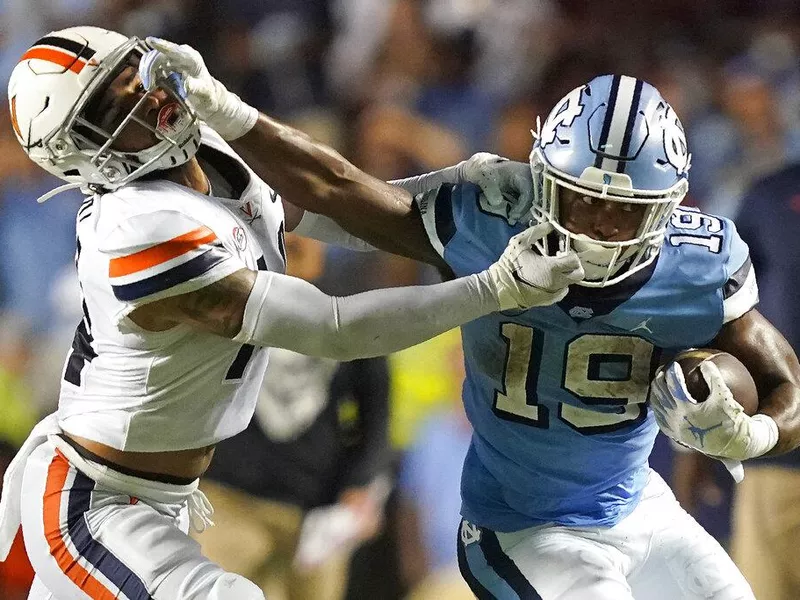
[616, 139]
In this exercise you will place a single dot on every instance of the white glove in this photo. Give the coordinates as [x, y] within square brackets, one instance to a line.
[717, 427]
[224, 111]
[506, 185]
[523, 278]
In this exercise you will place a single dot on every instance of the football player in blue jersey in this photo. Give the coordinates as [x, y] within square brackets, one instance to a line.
[559, 501]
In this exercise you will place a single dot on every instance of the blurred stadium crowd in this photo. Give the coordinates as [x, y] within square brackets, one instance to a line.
[402, 87]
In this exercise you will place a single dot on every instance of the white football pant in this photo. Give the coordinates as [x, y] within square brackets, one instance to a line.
[658, 552]
[89, 541]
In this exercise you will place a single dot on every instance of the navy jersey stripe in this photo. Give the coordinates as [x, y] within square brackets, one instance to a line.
[239, 364]
[163, 281]
[612, 101]
[97, 554]
[82, 50]
[505, 567]
[626, 140]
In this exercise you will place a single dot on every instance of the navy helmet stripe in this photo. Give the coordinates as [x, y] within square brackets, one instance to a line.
[626, 141]
[81, 50]
[612, 144]
[505, 567]
[612, 101]
[80, 496]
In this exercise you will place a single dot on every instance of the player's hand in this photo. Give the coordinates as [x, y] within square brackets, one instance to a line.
[523, 278]
[718, 426]
[506, 185]
[182, 69]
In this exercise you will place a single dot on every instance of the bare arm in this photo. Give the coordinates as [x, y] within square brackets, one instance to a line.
[217, 308]
[775, 369]
[316, 178]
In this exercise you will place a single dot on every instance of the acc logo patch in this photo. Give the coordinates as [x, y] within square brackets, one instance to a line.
[240, 238]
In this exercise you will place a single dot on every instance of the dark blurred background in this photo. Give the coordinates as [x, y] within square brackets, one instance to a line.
[402, 87]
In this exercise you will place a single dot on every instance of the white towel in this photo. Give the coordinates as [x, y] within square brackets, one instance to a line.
[11, 501]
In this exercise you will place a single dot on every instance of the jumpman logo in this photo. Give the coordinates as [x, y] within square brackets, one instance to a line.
[643, 325]
[699, 432]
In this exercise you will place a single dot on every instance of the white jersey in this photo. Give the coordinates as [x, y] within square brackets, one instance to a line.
[137, 390]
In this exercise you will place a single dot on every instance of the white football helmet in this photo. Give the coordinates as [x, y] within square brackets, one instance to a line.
[52, 86]
[616, 139]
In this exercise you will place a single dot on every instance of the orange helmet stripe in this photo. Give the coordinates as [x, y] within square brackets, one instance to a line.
[14, 122]
[68, 61]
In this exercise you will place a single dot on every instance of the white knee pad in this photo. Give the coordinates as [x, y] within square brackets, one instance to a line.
[235, 587]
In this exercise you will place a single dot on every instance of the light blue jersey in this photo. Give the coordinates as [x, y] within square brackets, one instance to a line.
[557, 395]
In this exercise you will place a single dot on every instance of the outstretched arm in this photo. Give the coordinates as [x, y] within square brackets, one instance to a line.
[271, 309]
[318, 179]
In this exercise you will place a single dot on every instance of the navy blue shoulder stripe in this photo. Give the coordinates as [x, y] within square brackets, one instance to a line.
[163, 281]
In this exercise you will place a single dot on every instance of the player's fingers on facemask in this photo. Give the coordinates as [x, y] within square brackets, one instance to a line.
[180, 57]
[161, 44]
[534, 234]
[569, 265]
[147, 68]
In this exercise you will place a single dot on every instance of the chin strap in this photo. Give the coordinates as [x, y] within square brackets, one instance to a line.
[55, 192]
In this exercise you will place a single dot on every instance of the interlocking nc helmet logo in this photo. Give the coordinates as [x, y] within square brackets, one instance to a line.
[470, 533]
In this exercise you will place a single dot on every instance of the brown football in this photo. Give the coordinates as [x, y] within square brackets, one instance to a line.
[733, 371]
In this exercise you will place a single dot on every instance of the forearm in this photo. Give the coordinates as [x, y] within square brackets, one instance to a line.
[774, 366]
[290, 313]
[783, 405]
[429, 181]
[325, 229]
[318, 179]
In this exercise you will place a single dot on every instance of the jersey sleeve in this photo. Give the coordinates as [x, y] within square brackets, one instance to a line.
[740, 292]
[161, 254]
[466, 235]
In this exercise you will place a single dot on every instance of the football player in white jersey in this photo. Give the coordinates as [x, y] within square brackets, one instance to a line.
[567, 524]
[181, 267]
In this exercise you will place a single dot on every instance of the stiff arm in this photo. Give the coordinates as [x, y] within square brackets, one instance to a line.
[318, 179]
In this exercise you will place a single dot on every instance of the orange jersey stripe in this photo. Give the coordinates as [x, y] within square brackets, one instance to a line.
[144, 259]
[68, 61]
[57, 474]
